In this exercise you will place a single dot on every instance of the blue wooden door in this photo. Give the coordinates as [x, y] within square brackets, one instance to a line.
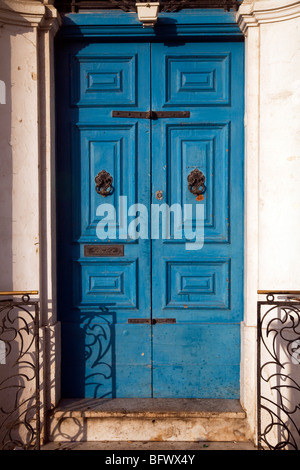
[202, 289]
[144, 317]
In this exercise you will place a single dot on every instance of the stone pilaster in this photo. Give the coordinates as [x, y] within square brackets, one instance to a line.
[27, 140]
[272, 161]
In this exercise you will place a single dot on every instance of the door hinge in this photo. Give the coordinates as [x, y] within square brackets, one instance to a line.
[151, 114]
[151, 321]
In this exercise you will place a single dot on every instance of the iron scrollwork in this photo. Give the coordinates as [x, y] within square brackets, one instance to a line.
[104, 183]
[278, 372]
[196, 180]
[19, 374]
[177, 5]
[130, 5]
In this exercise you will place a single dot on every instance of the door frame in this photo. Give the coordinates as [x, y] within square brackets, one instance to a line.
[195, 24]
[189, 25]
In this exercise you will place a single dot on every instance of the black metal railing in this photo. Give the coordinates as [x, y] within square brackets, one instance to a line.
[19, 371]
[278, 370]
[130, 5]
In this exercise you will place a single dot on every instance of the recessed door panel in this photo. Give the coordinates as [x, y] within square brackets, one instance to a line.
[104, 78]
[204, 146]
[110, 282]
[196, 78]
[205, 286]
[110, 147]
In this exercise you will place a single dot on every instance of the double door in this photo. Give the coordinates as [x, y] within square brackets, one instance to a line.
[150, 218]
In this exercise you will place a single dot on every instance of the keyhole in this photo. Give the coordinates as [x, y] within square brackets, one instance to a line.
[159, 195]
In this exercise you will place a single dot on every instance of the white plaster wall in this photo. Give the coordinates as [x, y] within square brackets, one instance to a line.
[272, 164]
[26, 170]
[19, 147]
[25, 176]
[279, 168]
[26, 146]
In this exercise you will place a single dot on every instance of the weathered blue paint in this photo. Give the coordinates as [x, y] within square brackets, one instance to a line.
[103, 355]
[104, 358]
[205, 286]
[99, 78]
[185, 24]
[196, 359]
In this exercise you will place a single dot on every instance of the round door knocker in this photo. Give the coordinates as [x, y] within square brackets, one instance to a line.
[196, 180]
[104, 182]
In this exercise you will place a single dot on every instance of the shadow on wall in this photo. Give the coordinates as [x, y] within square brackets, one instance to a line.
[18, 85]
[87, 334]
[6, 207]
[90, 355]
[6, 215]
[279, 374]
[19, 366]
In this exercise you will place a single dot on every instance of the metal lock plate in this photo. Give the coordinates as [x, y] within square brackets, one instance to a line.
[159, 195]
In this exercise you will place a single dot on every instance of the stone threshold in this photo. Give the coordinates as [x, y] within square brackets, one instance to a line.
[148, 419]
[149, 446]
[150, 408]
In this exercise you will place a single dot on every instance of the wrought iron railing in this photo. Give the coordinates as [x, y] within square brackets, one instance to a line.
[278, 371]
[130, 5]
[19, 371]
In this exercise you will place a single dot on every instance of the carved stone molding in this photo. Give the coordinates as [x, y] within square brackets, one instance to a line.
[32, 13]
[255, 12]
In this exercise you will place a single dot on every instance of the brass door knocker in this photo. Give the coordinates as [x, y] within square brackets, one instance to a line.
[196, 180]
[104, 182]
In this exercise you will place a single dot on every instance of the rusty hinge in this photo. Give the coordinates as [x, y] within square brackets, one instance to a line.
[151, 114]
[151, 321]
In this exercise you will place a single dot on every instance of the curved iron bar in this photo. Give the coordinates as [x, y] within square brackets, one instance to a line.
[278, 384]
[17, 330]
[20, 412]
[130, 5]
[23, 419]
[283, 409]
[290, 442]
[275, 329]
[99, 344]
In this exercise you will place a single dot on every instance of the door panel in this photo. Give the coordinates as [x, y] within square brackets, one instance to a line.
[196, 360]
[110, 146]
[182, 147]
[202, 289]
[197, 285]
[195, 77]
[100, 288]
[106, 77]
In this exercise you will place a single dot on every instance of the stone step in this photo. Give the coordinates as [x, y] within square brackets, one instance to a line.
[117, 446]
[161, 420]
